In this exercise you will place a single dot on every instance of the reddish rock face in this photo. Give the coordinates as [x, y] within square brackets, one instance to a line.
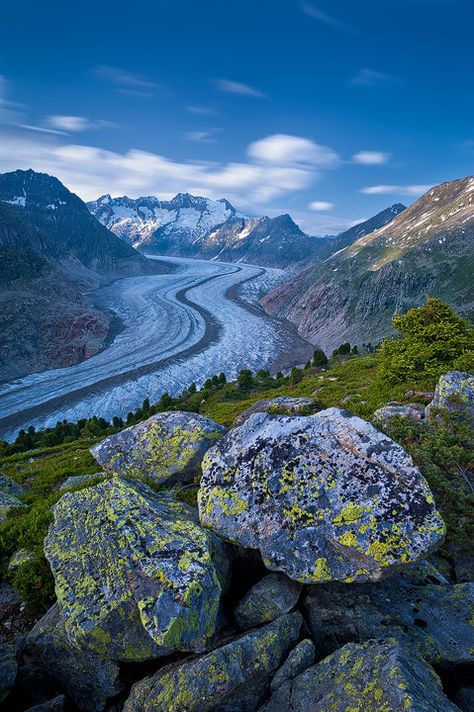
[72, 338]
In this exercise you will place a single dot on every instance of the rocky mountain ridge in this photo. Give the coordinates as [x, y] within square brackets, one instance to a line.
[190, 226]
[52, 252]
[353, 294]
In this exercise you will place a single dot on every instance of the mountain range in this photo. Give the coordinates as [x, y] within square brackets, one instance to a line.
[352, 295]
[190, 226]
[52, 252]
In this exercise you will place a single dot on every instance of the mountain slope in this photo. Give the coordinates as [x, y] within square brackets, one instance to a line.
[51, 250]
[190, 226]
[353, 294]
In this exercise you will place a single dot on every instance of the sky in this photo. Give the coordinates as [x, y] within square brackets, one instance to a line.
[328, 110]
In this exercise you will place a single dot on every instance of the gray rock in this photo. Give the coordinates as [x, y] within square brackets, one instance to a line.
[168, 447]
[8, 669]
[282, 405]
[376, 676]
[455, 393]
[87, 678]
[54, 705]
[325, 497]
[435, 619]
[234, 677]
[8, 503]
[403, 411]
[464, 699]
[9, 486]
[20, 557]
[423, 573]
[76, 480]
[300, 658]
[272, 596]
[135, 574]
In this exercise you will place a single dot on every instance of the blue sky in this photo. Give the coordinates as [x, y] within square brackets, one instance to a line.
[327, 110]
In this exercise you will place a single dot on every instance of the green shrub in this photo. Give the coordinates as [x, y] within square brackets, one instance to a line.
[433, 340]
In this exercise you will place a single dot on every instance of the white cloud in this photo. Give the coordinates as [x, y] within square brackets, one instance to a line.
[284, 149]
[370, 158]
[205, 136]
[125, 82]
[91, 171]
[371, 77]
[230, 87]
[417, 189]
[201, 110]
[69, 123]
[320, 205]
[321, 16]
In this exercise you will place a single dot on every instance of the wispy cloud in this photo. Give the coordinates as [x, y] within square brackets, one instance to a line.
[276, 166]
[76, 124]
[417, 189]
[201, 110]
[370, 158]
[126, 82]
[230, 87]
[205, 136]
[320, 205]
[371, 77]
[330, 20]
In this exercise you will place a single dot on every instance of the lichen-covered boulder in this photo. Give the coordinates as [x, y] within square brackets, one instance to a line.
[89, 679]
[9, 486]
[233, 678]
[8, 503]
[412, 410]
[299, 659]
[282, 405]
[376, 676]
[78, 480]
[8, 668]
[454, 392]
[325, 497]
[437, 620]
[168, 447]
[135, 574]
[272, 596]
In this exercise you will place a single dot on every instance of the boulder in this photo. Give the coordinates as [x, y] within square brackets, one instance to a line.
[299, 659]
[8, 503]
[454, 392]
[324, 497]
[232, 678]
[435, 619]
[168, 447]
[272, 596]
[8, 669]
[423, 573]
[282, 405]
[87, 678]
[78, 480]
[20, 557]
[54, 705]
[9, 486]
[412, 410]
[376, 676]
[135, 574]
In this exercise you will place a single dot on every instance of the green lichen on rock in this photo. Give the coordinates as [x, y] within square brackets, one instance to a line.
[324, 497]
[455, 393]
[300, 658]
[224, 678]
[434, 619]
[135, 574]
[376, 676]
[89, 679]
[168, 447]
